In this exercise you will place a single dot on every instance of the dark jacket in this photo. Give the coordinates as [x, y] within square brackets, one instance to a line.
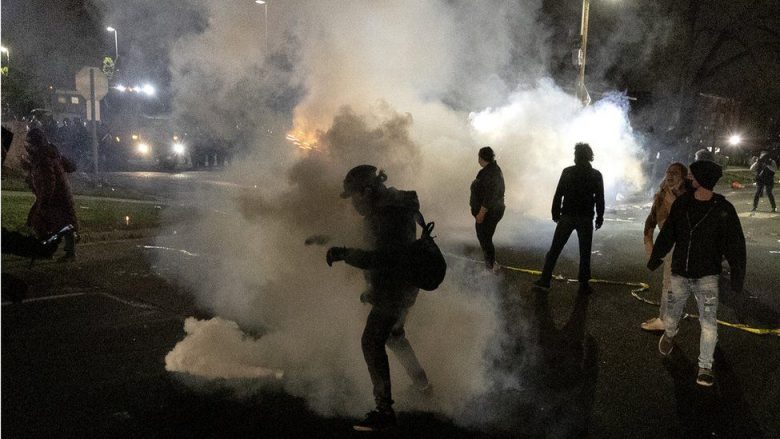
[390, 228]
[54, 205]
[487, 189]
[580, 187]
[702, 233]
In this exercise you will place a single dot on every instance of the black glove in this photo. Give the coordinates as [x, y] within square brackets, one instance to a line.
[335, 254]
[599, 222]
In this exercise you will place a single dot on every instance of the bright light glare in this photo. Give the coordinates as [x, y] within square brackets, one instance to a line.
[121, 88]
[735, 139]
[135, 136]
[260, 2]
[148, 90]
[143, 148]
[178, 148]
[110, 29]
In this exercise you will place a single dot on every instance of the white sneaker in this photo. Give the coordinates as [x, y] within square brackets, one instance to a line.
[653, 325]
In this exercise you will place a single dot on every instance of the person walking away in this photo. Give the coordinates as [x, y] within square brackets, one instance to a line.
[765, 169]
[487, 203]
[703, 227]
[580, 189]
[54, 207]
[672, 186]
[390, 225]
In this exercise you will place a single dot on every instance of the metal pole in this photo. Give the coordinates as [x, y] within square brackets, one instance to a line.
[94, 119]
[116, 46]
[582, 92]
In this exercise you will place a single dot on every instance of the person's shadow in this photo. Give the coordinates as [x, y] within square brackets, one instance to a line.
[717, 411]
[544, 378]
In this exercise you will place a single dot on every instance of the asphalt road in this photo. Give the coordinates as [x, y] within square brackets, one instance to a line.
[82, 356]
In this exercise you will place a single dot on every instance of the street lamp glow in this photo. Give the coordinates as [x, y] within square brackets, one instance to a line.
[148, 90]
[178, 148]
[116, 42]
[143, 148]
[735, 139]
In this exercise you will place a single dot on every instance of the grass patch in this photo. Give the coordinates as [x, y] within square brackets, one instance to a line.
[81, 183]
[98, 215]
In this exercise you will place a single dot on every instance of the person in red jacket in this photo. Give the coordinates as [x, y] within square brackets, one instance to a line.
[54, 208]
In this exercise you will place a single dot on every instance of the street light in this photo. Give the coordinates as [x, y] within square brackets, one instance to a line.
[735, 139]
[7, 52]
[116, 43]
[265, 21]
[582, 92]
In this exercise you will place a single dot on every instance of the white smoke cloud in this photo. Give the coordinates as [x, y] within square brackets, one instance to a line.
[414, 87]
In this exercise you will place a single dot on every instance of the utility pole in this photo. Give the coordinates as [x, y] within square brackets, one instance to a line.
[582, 92]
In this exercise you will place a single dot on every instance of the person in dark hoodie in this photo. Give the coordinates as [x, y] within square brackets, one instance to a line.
[580, 189]
[487, 203]
[390, 227]
[703, 228]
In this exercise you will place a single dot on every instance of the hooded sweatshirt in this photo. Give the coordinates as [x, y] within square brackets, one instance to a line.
[702, 233]
[390, 228]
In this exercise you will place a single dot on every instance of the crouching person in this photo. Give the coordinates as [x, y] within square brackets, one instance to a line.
[390, 227]
[703, 228]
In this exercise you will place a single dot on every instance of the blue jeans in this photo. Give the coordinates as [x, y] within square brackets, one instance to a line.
[705, 290]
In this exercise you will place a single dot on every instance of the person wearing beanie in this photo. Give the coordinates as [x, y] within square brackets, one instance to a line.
[580, 190]
[487, 203]
[703, 228]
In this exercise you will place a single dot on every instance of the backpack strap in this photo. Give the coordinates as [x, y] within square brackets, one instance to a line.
[427, 228]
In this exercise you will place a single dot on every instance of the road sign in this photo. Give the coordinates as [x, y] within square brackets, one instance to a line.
[83, 83]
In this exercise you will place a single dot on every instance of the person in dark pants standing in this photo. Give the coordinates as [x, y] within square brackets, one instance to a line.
[580, 188]
[487, 203]
[390, 227]
[765, 169]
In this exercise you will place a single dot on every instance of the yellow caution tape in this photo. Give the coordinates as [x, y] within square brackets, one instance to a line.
[639, 288]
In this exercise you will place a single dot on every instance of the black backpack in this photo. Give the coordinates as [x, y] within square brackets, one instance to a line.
[427, 266]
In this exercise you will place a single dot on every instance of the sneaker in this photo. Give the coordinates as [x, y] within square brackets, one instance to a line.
[665, 345]
[653, 325]
[376, 421]
[705, 378]
[542, 284]
[496, 267]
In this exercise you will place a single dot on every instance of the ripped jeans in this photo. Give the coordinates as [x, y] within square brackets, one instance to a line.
[705, 290]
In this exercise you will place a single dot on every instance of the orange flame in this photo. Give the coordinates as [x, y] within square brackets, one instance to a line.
[304, 139]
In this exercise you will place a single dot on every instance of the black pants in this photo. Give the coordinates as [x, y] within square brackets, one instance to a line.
[385, 326]
[485, 233]
[760, 190]
[567, 224]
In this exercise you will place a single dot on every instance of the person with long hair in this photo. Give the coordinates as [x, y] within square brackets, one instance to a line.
[672, 186]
